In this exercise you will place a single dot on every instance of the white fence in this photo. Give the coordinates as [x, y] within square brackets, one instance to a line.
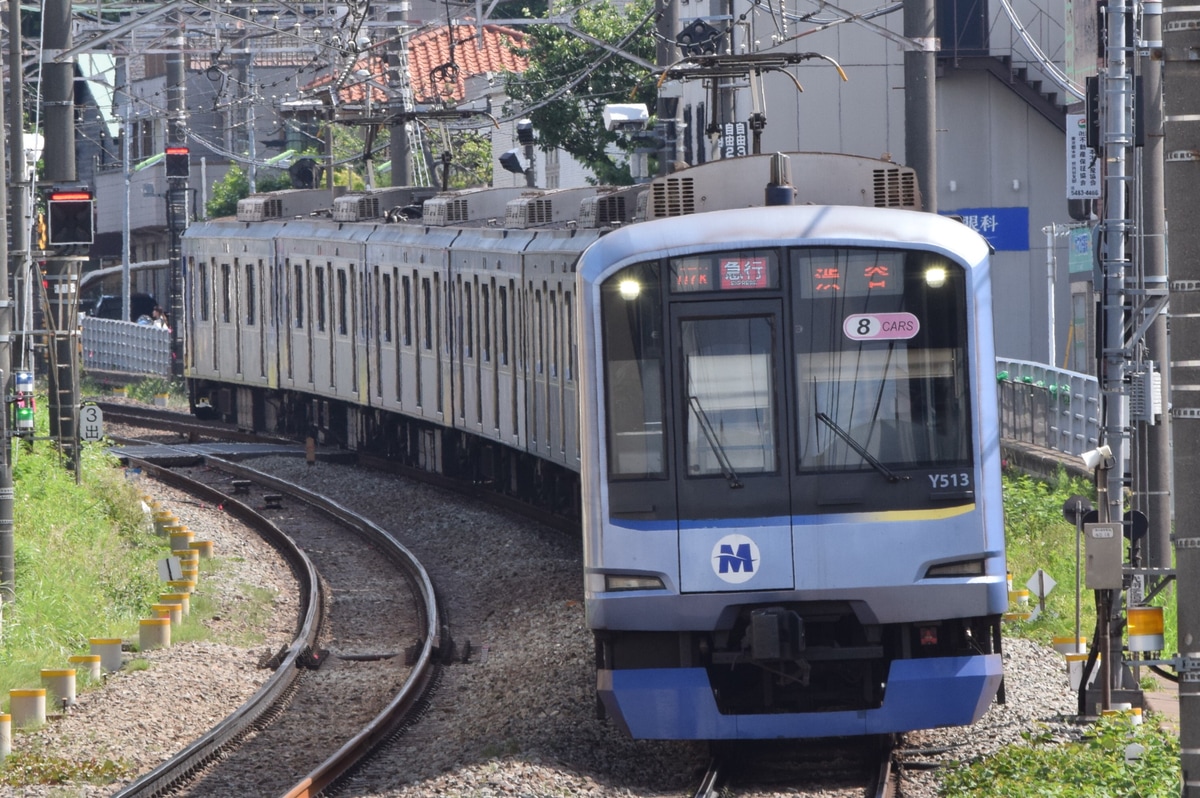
[110, 345]
[1048, 407]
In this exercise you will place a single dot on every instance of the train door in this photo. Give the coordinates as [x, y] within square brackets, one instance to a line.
[730, 452]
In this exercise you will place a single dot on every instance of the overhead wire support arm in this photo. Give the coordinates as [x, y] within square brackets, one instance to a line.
[730, 66]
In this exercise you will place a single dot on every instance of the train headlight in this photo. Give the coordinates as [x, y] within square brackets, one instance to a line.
[629, 289]
[960, 568]
[617, 582]
[935, 276]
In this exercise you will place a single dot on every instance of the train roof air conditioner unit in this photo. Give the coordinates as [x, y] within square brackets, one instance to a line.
[259, 209]
[355, 208]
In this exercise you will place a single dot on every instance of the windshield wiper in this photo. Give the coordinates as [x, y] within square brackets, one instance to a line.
[890, 475]
[711, 435]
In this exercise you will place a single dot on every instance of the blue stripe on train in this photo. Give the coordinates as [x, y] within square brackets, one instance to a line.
[677, 703]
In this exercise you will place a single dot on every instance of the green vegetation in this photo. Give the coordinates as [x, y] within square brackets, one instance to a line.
[146, 390]
[1039, 537]
[37, 767]
[1097, 765]
[236, 185]
[570, 116]
[84, 564]
[1113, 760]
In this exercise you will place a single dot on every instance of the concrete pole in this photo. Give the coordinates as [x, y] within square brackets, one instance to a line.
[920, 98]
[1181, 71]
[61, 274]
[1116, 140]
[1157, 468]
[126, 244]
[177, 192]
[665, 55]
[399, 143]
[16, 221]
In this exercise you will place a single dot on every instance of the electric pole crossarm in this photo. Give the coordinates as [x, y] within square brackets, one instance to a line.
[732, 66]
[119, 30]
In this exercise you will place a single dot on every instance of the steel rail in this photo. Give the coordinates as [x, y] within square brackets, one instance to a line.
[204, 749]
[425, 667]
[226, 733]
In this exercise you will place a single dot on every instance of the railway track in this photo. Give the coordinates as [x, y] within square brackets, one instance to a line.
[365, 653]
[524, 684]
[850, 768]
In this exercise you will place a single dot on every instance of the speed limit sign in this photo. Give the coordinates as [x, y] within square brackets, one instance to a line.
[91, 423]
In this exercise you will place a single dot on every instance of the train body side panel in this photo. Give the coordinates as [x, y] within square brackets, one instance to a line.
[482, 260]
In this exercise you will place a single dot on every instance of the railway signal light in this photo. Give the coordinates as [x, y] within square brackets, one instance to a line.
[178, 162]
[70, 218]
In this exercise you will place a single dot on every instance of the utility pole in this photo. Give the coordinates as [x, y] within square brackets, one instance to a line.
[1156, 464]
[1181, 71]
[61, 274]
[177, 191]
[920, 98]
[667, 108]
[17, 156]
[1116, 140]
[398, 61]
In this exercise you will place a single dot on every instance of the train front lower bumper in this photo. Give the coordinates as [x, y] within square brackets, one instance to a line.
[678, 704]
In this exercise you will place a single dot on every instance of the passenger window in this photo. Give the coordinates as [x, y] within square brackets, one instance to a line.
[319, 300]
[386, 301]
[407, 306]
[298, 292]
[486, 322]
[226, 292]
[343, 323]
[250, 295]
[503, 302]
[205, 289]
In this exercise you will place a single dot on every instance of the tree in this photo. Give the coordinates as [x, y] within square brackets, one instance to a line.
[570, 119]
[236, 185]
[472, 160]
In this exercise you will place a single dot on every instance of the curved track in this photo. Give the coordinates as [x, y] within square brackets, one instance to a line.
[300, 719]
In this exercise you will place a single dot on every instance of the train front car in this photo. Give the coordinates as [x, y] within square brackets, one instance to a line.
[791, 473]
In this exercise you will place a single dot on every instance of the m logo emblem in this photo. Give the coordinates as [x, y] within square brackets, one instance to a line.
[735, 559]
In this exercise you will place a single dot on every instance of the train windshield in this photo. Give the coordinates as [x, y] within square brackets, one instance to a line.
[880, 360]
[745, 367]
[633, 343]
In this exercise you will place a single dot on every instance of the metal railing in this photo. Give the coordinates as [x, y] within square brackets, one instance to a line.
[111, 345]
[1048, 407]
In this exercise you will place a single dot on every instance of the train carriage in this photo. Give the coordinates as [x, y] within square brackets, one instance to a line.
[230, 266]
[794, 528]
[481, 254]
[777, 424]
[324, 264]
[552, 378]
[412, 260]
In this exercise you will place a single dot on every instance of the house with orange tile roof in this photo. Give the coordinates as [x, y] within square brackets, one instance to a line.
[452, 67]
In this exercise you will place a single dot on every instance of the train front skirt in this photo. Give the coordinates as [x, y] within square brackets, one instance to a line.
[678, 704]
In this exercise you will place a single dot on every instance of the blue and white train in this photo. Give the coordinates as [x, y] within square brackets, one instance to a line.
[776, 424]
